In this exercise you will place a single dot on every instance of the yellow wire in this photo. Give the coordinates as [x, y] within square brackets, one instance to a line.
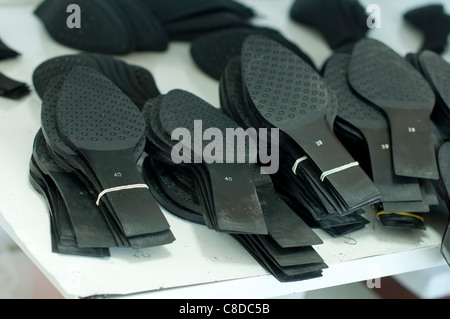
[404, 214]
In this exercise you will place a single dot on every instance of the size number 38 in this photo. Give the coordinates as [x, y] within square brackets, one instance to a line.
[243, 308]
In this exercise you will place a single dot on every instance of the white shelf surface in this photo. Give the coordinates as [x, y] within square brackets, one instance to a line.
[201, 263]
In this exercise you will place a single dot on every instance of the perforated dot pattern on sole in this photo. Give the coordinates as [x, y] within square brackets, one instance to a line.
[94, 114]
[351, 108]
[437, 71]
[386, 79]
[180, 109]
[285, 90]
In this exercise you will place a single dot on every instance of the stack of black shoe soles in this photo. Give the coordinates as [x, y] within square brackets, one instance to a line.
[297, 101]
[136, 82]
[364, 130]
[125, 26]
[187, 20]
[85, 163]
[436, 71]
[381, 76]
[388, 102]
[227, 196]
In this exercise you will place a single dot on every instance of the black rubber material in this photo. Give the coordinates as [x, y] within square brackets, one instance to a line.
[175, 10]
[59, 66]
[285, 252]
[177, 201]
[436, 70]
[159, 145]
[12, 89]
[387, 80]
[434, 23]
[6, 52]
[61, 227]
[62, 154]
[212, 52]
[66, 157]
[304, 271]
[286, 263]
[89, 225]
[138, 25]
[49, 124]
[91, 37]
[307, 200]
[149, 33]
[444, 169]
[70, 158]
[287, 231]
[305, 121]
[285, 227]
[190, 29]
[63, 239]
[231, 184]
[341, 22]
[371, 122]
[232, 100]
[137, 82]
[110, 133]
